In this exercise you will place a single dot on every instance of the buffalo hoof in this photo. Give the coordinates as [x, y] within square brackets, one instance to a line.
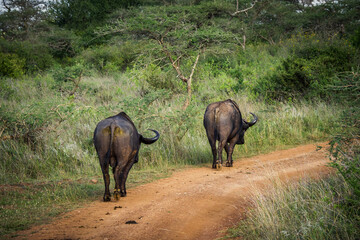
[218, 166]
[123, 194]
[228, 164]
[117, 196]
[107, 198]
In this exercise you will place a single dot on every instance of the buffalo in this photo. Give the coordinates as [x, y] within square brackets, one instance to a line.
[223, 122]
[117, 143]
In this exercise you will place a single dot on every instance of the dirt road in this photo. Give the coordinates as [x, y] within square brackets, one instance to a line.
[192, 204]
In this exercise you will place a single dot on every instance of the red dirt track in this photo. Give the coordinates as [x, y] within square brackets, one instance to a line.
[197, 203]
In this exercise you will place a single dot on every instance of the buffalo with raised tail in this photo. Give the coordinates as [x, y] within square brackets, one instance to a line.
[117, 143]
[223, 123]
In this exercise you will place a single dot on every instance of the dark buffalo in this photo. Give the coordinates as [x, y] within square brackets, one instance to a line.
[117, 143]
[223, 122]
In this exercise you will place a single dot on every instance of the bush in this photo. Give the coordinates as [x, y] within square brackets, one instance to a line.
[11, 65]
[307, 72]
[345, 146]
[156, 78]
[107, 59]
[68, 78]
[62, 43]
[37, 56]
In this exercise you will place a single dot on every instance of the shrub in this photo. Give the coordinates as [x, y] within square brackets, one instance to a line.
[107, 59]
[345, 146]
[62, 43]
[68, 78]
[156, 78]
[11, 65]
[37, 56]
[307, 72]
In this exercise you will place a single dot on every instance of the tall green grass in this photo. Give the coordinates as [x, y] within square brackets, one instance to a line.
[308, 210]
[52, 131]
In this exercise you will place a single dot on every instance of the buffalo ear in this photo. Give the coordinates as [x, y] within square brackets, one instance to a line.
[245, 125]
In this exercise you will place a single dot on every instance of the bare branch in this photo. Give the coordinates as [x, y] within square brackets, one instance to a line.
[194, 66]
[173, 63]
[6, 6]
[76, 83]
[270, 40]
[243, 43]
[188, 99]
[243, 10]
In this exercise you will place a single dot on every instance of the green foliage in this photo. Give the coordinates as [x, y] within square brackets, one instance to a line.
[26, 126]
[274, 20]
[345, 146]
[307, 72]
[20, 18]
[37, 56]
[11, 65]
[80, 14]
[111, 58]
[67, 74]
[157, 78]
[68, 78]
[182, 29]
[355, 38]
[62, 43]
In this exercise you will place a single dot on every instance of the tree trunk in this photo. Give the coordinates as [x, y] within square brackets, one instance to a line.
[188, 82]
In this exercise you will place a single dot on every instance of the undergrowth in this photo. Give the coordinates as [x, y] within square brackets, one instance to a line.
[308, 210]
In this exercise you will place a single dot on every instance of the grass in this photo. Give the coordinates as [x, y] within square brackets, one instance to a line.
[311, 209]
[53, 133]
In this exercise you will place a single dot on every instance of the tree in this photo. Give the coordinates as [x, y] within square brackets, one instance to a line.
[182, 34]
[80, 14]
[19, 17]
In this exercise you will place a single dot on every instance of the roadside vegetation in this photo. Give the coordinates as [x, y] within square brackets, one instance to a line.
[322, 209]
[62, 72]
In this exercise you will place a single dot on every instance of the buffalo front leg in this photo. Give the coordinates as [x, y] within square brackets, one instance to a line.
[106, 176]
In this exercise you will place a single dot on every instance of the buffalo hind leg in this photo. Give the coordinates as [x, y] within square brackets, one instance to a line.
[213, 150]
[117, 173]
[222, 145]
[124, 175]
[229, 148]
[106, 176]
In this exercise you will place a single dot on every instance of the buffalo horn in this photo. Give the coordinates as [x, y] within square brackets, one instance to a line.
[151, 140]
[253, 121]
